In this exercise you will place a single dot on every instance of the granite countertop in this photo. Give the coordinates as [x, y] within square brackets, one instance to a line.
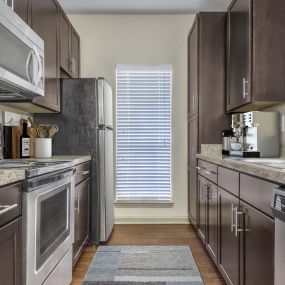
[266, 172]
[9, 175]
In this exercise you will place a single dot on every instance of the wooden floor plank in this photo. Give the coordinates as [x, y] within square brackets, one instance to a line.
[154, 235]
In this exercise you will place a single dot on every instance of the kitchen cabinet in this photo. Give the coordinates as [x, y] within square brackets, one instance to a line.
[228, 260]
[255, 67]
[81, 209]
[21, 7]
[192, 195]
[212, 221]
[206, 87]
[69, 48]
[11, 253]
[45, 22]
[257, 247]
[202, 208]
[193, 69]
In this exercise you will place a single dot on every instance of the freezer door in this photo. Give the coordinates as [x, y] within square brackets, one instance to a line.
[106, 184]
[105, 103]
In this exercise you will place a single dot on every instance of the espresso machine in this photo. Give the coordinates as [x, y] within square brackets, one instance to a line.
[255, 134]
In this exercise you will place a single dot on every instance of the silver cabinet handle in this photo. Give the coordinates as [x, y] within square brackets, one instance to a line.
[244, 92]
[232, 217]
[28, 64]
[193, 101]
[84, 172]
[12, 5]
[40, 73]
[200, 168]
[237, 229]
[210, 172]
[7, 208]
[77, 202]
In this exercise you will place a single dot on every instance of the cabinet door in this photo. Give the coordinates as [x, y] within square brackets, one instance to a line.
[202, 207]
[65, 27]
[45, 22]
[81, 230]
[21, 7]
[257, 247]
[192, 195]
[193, 70]
[11, 253]
[193, 141]
[228, 261]
[212, 221]
[239, 54]
[75, 54]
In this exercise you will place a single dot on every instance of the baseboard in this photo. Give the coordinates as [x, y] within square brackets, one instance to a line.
[151, 220]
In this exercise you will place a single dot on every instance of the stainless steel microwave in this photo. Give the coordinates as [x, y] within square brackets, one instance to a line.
[21, 59]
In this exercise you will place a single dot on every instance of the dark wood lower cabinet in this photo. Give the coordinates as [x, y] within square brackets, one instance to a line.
[212, 221]
[192, 195]
[257, 247]
[202, 207]
[228, 261]
[81, 230]
[11, 253]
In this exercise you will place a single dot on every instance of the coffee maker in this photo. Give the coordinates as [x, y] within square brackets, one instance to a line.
[255, 134]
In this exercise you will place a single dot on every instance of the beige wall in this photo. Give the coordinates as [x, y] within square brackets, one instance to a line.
[108, 40]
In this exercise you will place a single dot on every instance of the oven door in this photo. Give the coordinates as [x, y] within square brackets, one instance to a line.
[49, 218]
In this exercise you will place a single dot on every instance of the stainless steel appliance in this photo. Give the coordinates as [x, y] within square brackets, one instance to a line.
[257, 133]
[48, 221]
[278, 208]
[86, 119]
[21, 58]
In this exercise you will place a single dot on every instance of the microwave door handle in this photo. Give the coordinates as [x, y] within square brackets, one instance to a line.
[28, 64]
[37, 82]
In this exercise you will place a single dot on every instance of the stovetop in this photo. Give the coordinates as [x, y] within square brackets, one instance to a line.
[35, 167]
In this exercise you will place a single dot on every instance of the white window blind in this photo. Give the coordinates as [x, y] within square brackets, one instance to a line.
[143, 143]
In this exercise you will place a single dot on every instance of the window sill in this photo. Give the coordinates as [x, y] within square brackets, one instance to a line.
[140, 204]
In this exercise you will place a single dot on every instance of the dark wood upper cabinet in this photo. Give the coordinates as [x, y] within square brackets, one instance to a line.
[65, 42]
[228, 260]
[75, 54]
[21, 7]
[257, 247]
[45, 22]
[69, 48]
[193, 96]
[256, 70]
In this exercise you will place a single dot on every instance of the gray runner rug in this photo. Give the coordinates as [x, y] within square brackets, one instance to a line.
[141, 265]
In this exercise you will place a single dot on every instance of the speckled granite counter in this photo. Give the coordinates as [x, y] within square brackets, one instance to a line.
[270, 173]
[76, 159]
[9, 175]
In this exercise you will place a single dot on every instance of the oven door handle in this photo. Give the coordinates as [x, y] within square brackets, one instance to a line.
[43, 180]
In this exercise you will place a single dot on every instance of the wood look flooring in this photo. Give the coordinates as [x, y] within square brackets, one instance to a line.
[154, 235]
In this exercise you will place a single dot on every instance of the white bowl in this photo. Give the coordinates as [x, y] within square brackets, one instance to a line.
[236, 146]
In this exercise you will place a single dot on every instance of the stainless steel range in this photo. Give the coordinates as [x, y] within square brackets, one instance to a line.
[48, 221]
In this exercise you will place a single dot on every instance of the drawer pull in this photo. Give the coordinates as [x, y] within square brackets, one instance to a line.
[84, 172]
[210, 172]
[5, 209]
[200, 167]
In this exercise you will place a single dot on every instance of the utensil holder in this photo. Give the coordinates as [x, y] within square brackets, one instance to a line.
[43, 147]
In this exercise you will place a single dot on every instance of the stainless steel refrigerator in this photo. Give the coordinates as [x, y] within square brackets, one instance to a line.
[86, 127]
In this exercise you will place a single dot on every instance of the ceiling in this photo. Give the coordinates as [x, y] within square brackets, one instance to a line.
[142, 6]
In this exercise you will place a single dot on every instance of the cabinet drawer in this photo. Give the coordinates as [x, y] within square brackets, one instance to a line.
[257, 192]
[82, 172]
[10, 202]
[208, 170]
[228, 180]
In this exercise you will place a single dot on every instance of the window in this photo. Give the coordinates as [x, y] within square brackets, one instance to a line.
[143, 146]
